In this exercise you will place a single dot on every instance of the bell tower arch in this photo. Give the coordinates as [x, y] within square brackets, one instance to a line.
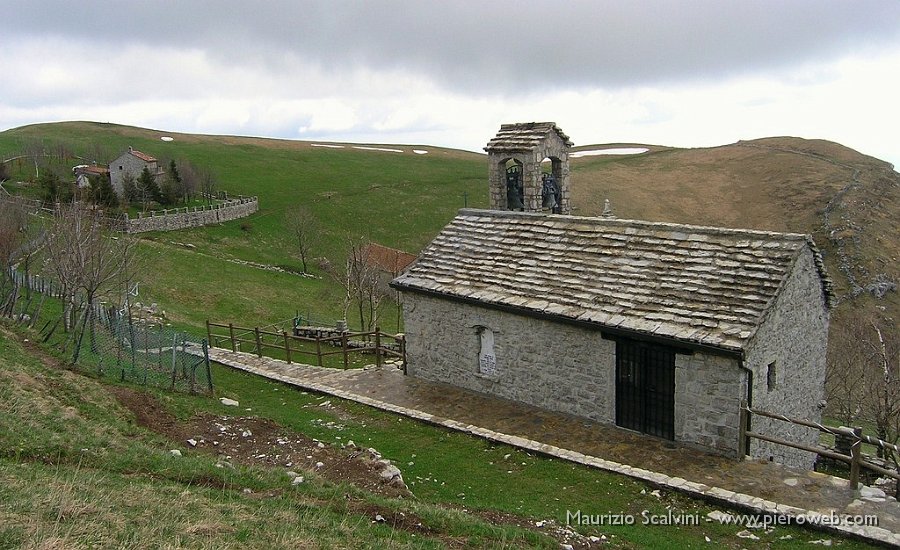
[517, 181]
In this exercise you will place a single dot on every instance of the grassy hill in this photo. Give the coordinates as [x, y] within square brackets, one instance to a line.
[86, 463]
[75, 462]
[846, 200]
[397, 199]
[79, 470]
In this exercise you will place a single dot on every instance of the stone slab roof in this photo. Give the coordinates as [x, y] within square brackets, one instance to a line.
[522, 137]
[704, 286]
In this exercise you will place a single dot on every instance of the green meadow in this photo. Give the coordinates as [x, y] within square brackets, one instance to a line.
[77, 471]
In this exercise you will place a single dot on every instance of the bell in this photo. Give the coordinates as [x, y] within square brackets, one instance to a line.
[514, 199]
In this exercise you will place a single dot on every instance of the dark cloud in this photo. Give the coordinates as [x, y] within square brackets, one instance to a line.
[503, 47]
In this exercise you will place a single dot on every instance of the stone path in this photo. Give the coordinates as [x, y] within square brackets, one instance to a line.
[752, 486]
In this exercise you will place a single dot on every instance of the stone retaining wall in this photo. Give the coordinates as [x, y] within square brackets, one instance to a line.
[181, 218]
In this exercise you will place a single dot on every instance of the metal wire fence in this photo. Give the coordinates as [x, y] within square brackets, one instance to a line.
[111, 342]
[145, 353]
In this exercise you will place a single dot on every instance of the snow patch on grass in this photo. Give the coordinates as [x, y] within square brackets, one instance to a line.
[614, 151]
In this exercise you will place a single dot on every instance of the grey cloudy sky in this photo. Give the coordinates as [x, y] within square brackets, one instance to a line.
[685, 73]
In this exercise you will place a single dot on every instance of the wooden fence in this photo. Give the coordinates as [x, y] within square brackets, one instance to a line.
[255, 340]
[855, 459]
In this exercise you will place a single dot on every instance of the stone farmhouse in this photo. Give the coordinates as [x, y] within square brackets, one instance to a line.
[84, 172]
[388, 262]
[663, 329]
[131, 162]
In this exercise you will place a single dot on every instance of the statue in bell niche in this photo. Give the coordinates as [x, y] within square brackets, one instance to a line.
[515, 192]
[549, 193]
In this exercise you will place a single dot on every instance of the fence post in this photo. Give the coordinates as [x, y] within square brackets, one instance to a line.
[231, 332]
[208, 332]
[287, 346]
[855, 455]
[174, 360]
[403, 351]
[258, 345]
[208, 371]
[118, 331]
[319, 348]
[146, 331]
[344, 349]
[743, 417]
[378, 347]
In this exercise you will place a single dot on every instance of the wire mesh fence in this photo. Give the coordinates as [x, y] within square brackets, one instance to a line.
[145, 353]
[110, 342]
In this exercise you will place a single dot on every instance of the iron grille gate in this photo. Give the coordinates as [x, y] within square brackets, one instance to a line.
[645, 388]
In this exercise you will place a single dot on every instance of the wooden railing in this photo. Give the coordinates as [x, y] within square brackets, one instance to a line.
[855, 459]
[255, 340]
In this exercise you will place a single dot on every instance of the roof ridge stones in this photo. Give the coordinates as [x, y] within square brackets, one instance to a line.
[705, 286]
[523, 136]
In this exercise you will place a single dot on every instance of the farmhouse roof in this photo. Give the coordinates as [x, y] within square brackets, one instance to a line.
[91, 169]
[388, 259]
[703, 286]
[522, 137]
[143, 156]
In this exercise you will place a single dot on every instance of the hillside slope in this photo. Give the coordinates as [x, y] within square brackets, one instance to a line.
[80, 470]
[849, 202]
[846, 200]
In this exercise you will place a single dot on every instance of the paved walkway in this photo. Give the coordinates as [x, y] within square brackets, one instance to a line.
[759, 487]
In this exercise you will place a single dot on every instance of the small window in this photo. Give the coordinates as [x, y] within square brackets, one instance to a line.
[771, 376]
[120, 167]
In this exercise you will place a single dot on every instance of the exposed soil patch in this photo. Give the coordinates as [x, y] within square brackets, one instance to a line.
[261, 442]
[148, 411]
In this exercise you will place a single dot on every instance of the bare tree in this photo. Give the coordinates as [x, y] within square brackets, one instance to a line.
[36, 151]
[190, 179]
[88, 262]
[13, 220]
[303, 229]
[884, 404]
[364, 288]
[359, 278]
[99, 153]
[863, 376]
[62, 151]
[208, 184]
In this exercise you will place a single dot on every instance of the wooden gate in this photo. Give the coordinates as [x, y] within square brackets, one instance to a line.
[645, 388]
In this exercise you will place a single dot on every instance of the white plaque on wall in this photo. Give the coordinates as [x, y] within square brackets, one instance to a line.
[487, 360]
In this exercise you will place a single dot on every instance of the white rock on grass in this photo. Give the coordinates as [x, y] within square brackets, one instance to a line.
[175, 452]
[192, 442]
[870, 492]
[390, 473]
[297, 480]
[747, 535]
[228, 402]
